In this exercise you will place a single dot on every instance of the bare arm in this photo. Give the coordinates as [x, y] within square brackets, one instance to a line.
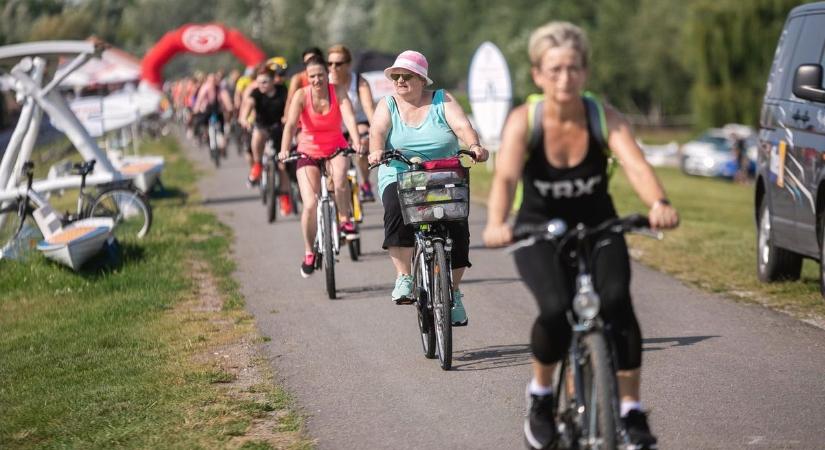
[379, 127]
[292, 115]
[349, 116]
[461, 126]
[639, 173]
[509, 165]
[294, 86]
[247, 103]
[365, 95]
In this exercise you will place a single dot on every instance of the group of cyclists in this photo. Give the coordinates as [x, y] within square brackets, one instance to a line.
[560, 146]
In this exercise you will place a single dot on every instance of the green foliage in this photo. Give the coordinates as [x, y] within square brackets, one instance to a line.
[731, 46]
[657, 60]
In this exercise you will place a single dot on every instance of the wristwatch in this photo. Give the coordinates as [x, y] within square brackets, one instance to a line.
[661, 201]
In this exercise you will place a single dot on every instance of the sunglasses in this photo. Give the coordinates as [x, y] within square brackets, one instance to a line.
[337, 63]
[403, 76]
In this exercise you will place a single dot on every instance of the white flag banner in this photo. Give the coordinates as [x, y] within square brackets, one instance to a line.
[490, 92]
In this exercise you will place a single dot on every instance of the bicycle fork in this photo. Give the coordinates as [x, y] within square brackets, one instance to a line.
[326, 206]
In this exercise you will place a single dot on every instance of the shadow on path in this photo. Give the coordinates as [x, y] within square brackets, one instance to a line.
[237, 199]
[649, 344]
[367, 291]
[492, 357]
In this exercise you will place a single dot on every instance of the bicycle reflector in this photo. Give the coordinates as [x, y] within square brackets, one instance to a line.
[586, 303]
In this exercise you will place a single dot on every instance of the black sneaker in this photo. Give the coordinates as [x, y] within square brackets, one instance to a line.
[539, 425]
[638, 431]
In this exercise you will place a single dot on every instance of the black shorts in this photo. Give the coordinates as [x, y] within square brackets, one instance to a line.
[396, 234]
[274, 133]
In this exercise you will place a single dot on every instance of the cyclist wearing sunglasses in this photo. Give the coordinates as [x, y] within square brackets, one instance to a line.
[428, 124]
[322, 108]
[340, 72]
[563, 163]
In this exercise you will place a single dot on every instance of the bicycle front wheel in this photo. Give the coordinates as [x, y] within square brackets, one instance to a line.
[422, 305]
[329, 255]
[129, 209]
[271, 194]
[11, 222]
[442, 305]
[599, 424]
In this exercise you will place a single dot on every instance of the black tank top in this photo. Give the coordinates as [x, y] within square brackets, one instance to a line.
[575, 194]
[269, 109]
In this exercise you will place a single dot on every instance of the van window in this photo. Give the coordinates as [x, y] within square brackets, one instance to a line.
[784, 50]
[808, 50]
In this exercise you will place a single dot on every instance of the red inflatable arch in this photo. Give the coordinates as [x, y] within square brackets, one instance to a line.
[201, 39]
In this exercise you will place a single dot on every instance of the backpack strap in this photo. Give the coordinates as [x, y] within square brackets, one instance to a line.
[597, 126]
[535, 103]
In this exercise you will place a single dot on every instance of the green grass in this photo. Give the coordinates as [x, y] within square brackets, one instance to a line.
[715, 246]
[112, 357]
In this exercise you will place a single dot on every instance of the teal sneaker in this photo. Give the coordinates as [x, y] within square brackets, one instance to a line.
[458, 315]
[402, 294]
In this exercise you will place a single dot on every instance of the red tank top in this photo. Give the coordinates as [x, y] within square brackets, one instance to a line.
[321, 133]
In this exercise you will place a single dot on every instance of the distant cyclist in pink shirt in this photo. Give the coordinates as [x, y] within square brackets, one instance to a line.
[322, 108]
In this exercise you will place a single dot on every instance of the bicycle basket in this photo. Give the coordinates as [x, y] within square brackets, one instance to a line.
[434, 195]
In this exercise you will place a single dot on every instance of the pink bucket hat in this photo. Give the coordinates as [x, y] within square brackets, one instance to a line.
[413, 61]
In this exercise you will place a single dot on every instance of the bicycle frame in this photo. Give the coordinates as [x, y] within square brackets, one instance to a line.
[325, 198]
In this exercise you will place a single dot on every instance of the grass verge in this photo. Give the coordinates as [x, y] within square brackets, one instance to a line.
[715, 246]
[155, 353]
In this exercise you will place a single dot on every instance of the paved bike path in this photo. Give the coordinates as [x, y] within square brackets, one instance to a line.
[718, 374]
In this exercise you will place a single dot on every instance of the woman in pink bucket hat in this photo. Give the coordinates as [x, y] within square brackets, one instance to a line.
[427, 124]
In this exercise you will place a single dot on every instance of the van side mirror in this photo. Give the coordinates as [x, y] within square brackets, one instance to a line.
[807, 83]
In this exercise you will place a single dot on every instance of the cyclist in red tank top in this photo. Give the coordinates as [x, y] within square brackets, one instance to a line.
[322, 108]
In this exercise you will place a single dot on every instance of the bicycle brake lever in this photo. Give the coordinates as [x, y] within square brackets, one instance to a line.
[520, 244]
[647, 232]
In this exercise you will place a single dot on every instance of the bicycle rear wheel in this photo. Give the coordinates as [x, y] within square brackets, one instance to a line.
[329, 255]
[599, 424]
[11, 222]
[422, 301]
[128, 207]
[442, 304]
[271, 194]
[295, 194]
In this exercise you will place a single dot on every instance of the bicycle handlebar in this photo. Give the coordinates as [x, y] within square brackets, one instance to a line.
[294, 156]
[397, 155]
[556, 230]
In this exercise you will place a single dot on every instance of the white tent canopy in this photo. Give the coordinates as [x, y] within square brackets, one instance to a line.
[113, 66]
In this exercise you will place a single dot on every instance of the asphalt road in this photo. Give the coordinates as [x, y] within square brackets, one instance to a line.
[717, 374]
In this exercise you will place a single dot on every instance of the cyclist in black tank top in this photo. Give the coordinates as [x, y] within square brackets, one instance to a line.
[575, 194]
[565, 175]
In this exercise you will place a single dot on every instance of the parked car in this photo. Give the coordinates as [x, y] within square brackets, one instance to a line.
[712, 154]
[790, 187]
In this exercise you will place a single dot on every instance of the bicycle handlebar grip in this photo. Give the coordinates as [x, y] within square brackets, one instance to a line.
[637, 221]
[468, 153]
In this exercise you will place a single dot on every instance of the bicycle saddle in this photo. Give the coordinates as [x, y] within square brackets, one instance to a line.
[84, 168]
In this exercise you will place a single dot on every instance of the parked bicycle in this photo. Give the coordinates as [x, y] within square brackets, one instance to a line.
[327, 236]
[432, 193]
[586, 398]
[125, 204]
[121, 201]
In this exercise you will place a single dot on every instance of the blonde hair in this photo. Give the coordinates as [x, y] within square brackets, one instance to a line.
[338, 48]
[557, 34]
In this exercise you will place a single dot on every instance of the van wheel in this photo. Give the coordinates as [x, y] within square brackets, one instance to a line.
[773, 263]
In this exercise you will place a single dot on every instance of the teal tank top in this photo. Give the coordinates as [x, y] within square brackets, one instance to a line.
[433, 139]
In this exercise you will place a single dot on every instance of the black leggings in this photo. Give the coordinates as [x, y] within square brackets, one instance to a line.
[553, 283]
